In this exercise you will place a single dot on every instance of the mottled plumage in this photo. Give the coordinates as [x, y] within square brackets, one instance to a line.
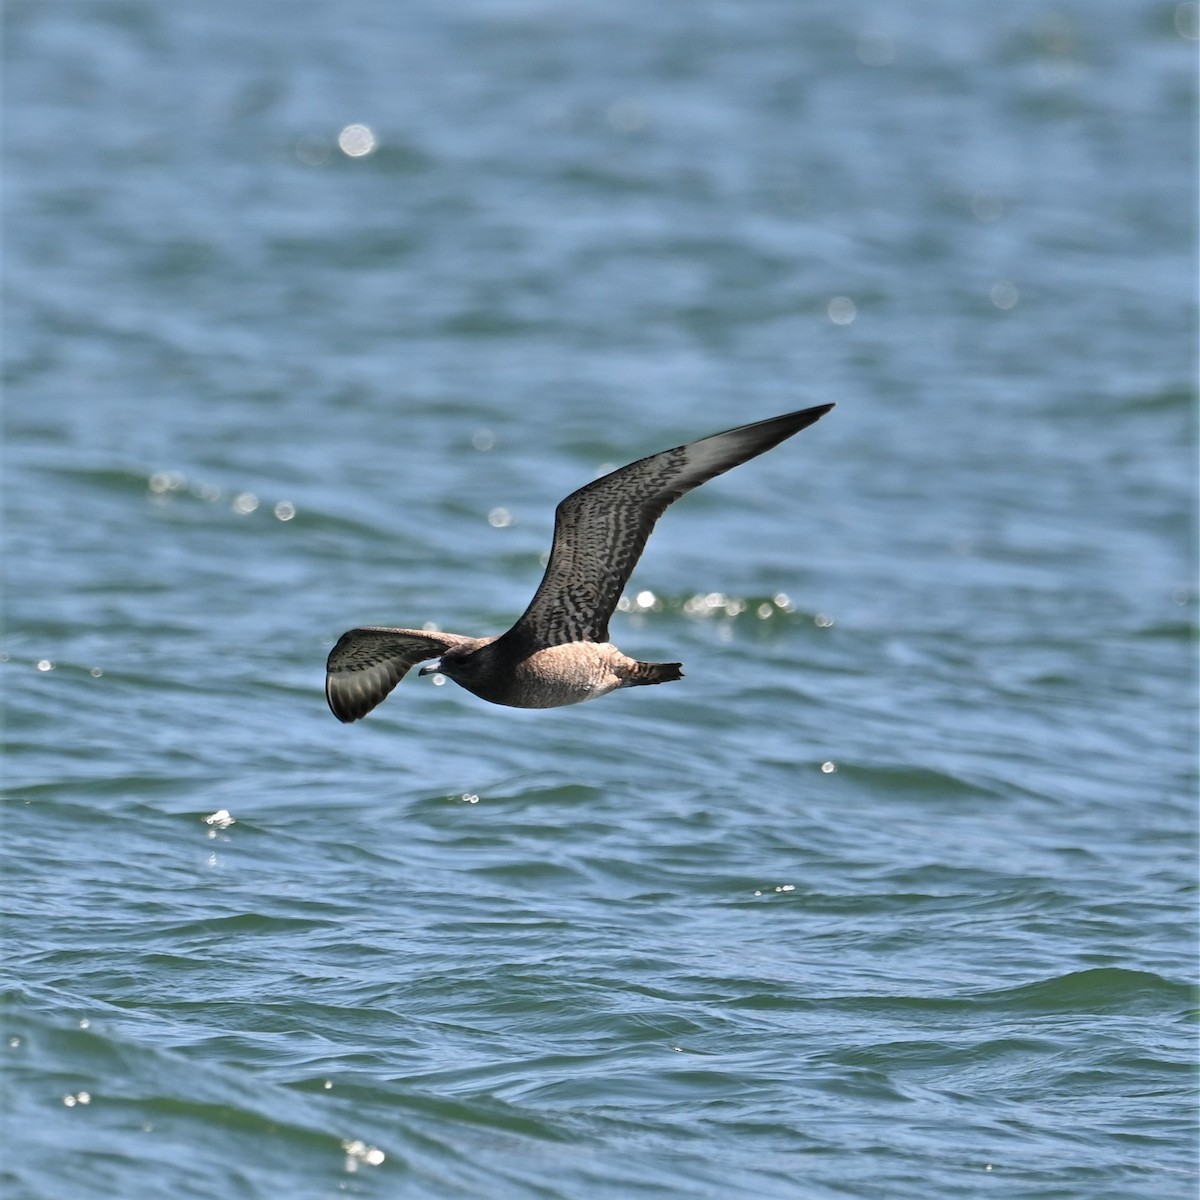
[558, 652]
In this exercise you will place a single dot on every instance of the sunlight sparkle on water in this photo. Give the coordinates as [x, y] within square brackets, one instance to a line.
[356, 141]
[1004, 295]
[162, 482]
[842, 310]
[208, 492]
[359, 1152]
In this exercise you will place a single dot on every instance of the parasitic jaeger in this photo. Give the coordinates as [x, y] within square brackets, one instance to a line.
[558, 652]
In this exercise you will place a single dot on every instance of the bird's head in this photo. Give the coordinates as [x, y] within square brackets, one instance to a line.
[463, 664]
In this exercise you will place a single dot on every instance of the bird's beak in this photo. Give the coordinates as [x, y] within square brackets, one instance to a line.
[432, 669]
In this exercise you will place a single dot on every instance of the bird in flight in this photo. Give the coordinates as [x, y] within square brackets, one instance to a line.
[558, 652]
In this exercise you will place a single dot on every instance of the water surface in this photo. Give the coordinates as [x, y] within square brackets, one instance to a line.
[894, 895]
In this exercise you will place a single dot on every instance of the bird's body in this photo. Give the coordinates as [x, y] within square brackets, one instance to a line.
[558, 652]
[553, 676]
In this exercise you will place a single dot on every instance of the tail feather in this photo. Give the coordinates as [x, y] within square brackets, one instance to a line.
[644, 673]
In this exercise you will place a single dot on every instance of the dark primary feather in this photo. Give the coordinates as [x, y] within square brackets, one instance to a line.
[601, 529]
[367, 663]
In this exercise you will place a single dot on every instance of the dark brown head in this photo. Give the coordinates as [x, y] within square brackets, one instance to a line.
[470, 665]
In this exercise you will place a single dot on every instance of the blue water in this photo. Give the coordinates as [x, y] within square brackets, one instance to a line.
[894, 895]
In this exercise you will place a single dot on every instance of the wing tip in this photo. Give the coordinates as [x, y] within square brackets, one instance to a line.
[367, 662]
[809, 416]
[342, 705]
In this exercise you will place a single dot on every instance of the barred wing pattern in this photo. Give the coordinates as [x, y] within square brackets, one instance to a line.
[601, 529]
[367, 663]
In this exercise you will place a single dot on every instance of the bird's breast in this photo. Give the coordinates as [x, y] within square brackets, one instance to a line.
[555, 676]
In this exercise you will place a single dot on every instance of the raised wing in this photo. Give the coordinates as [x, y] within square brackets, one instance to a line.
[367, 663]
[601, 530]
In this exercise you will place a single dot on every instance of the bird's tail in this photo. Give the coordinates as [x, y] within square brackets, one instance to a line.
[642, 673]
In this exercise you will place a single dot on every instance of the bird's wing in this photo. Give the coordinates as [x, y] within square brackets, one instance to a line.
[367, 663]
[601, 530]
